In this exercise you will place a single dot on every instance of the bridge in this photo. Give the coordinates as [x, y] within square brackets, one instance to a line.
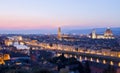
[81, 56]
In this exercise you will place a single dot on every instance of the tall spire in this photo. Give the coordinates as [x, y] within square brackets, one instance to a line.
[59, 33]
[108, 27]
[93, 34]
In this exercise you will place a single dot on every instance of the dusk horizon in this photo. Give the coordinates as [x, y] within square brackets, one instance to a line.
[64, 30]
[59, 36]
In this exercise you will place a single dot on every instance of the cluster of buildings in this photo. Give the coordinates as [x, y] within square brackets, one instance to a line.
[107, 34]
[101, 51]
[11, 40]
[104, 45]
[100, 43]
[3, 58]
[10, 47]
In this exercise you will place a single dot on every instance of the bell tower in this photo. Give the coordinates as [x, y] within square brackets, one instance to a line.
[94, 34]
[59, 33]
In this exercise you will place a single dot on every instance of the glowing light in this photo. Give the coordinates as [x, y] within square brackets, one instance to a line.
[75, 56]
[80, 58]
[97, 60]
[119, 64]
[85, 58]
[104, 62]
[66, 55]
[119, 55]
[111, 63]
[70, 55]
[112, 55]
[58, 54]
[2, 61]
[6, 57]
[91, 59]
[104, 54]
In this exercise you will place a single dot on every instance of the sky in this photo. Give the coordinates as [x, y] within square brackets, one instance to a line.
[50, 14]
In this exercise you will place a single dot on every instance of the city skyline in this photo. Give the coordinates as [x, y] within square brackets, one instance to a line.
[59, 36]
[50, 14]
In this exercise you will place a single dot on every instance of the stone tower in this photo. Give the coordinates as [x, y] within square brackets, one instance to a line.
[59, 33]
[94, 34]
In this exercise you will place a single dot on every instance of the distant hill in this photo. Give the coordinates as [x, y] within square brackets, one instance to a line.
[116, 31]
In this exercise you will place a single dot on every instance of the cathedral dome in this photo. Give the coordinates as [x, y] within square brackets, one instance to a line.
[108, 32]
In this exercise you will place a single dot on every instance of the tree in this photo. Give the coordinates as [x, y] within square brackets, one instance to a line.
[87, 67]
[110, 69]
[81, 69]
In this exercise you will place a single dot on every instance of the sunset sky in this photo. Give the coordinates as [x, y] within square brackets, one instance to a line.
[49, 14]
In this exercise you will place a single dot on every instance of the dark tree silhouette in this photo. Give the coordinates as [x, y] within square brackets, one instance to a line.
[87, 67]
[110, 69]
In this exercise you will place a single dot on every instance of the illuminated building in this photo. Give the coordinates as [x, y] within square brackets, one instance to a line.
[59, 34]
[107, 35]
[19, 38]
[2, 61]
[6, 57]
[8, 42]
[66, 37]
[3, 58]
[94, 34]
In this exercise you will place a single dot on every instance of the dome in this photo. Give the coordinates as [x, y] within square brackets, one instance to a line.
[108, 32]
